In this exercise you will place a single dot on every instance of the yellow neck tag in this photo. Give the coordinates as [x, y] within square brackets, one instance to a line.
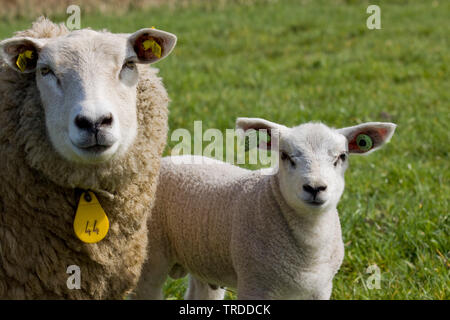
[154, 46]
[91, 223]
[21, 61]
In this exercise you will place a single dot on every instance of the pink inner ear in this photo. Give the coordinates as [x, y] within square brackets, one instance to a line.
[147, 55]
[382, 132]
[254, 127]
[353, 147]
[264, 144]
[15, 50]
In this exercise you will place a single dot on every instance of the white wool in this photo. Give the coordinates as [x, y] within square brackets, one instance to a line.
[268, 236]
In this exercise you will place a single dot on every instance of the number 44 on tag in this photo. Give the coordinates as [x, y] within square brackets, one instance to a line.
[91, 223]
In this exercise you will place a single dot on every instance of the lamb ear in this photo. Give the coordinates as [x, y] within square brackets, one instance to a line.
[273, 130]
[22, 53]
[368, 137]
[152, 45]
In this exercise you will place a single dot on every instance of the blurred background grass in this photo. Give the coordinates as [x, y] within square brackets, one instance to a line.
[296, 61]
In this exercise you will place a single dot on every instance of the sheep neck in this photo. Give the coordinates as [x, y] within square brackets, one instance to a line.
[312, 233]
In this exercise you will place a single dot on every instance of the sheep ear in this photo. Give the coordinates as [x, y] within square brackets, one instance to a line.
[273, 130]
[152, 45]
[21, 54]
[368, 137]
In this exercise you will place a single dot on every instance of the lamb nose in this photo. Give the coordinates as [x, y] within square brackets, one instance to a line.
[84, 123]
[315, 190]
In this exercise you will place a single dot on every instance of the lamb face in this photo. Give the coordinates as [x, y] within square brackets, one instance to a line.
[87, 82]
[313, 158]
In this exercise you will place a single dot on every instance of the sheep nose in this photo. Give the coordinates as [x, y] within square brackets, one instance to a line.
[87, 124]
[314, 190]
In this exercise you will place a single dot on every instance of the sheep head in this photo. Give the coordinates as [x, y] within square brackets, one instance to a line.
[87, 82]
[313, 158]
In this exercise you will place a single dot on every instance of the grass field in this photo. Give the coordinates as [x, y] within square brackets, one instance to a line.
[297, 61]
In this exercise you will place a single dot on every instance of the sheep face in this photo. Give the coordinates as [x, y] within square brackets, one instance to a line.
[87, 82]
[313, 158]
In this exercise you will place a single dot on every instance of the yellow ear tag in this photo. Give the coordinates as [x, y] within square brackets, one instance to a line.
[91, 223]
[21, 61]
[154, 46]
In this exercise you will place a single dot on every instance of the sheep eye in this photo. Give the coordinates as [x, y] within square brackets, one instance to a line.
[45, 71]
[284, 156]
[130, 65]
[341, 157]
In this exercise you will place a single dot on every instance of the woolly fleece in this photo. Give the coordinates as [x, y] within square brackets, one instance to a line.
[231, 227]
[38, 195]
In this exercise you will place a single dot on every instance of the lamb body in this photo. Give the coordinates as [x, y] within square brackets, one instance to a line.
[223, 223]
[40, 185]
[243, 229]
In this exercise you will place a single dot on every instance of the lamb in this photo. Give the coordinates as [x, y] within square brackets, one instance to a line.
[79, 114]
[270, 236]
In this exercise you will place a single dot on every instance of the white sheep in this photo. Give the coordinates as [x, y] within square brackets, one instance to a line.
[78, 110]
[269, 236]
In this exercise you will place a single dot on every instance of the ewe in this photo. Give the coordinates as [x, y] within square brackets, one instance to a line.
[270, 236]
[78, 114]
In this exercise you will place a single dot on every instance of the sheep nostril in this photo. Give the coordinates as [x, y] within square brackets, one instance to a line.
[313, 191]
[84, 123]
[106, 121]
[308, 188]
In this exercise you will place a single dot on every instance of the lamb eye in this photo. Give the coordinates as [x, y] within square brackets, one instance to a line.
[45, 71]
[341, 157]
[130, 65]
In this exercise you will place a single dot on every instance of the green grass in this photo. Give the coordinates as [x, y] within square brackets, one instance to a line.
[297, 61]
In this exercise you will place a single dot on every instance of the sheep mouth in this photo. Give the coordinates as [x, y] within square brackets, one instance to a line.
[92, 148]
[316, 203]
[93, 154]
[95, 148]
